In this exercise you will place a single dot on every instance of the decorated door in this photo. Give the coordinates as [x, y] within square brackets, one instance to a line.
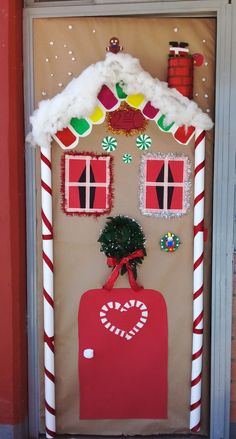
[122, 148]
[119, 365]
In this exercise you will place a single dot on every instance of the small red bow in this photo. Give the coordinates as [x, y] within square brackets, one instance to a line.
[114, 262]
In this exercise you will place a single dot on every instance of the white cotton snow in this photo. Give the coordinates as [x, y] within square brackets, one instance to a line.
[79, 98]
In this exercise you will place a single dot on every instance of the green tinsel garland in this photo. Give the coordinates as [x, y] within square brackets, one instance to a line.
[120, 237]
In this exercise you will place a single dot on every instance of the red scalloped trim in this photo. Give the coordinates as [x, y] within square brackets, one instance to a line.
[111, 185]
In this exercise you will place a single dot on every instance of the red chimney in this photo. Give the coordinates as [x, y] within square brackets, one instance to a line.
[180, 68]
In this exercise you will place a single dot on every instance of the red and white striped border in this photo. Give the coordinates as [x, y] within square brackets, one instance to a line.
[47, 236]
[48, 293]
[198, 249]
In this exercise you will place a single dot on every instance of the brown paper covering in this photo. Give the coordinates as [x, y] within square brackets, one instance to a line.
[79, 265]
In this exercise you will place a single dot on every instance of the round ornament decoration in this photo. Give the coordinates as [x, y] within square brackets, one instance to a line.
[198, 59]
[170, 242]
[143, 142]
[127, 158]
[109, 144]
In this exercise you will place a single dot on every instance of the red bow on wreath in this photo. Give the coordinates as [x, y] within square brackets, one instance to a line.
[114, 262]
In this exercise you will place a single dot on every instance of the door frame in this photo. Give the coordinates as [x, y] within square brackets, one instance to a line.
[223, 184]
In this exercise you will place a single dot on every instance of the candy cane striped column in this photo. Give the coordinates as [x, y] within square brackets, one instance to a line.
[198, 248]
[48, 294]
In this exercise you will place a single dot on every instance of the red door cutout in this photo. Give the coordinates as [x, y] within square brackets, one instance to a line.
[123, 354]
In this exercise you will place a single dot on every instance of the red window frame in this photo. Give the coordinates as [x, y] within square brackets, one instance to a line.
[87, 189]
[165, 188]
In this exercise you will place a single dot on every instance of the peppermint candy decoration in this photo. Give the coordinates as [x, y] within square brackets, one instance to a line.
[143, 142]
[127, 158]
[109, 144]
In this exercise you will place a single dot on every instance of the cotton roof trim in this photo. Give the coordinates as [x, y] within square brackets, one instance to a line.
[79, 98]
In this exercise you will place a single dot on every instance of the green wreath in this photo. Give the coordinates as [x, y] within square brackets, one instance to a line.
[120, 237]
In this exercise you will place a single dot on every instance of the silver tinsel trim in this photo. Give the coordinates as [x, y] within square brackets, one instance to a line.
[186, 185]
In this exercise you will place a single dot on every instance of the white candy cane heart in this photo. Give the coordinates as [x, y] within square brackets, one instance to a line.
[128, 335]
